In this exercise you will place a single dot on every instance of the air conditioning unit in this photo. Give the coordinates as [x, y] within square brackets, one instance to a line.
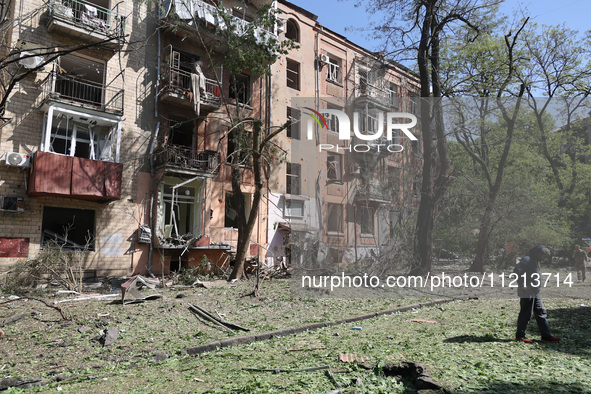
[355, 169]
[17, 159]
[13, 204]
[324, 58]
[29, 61]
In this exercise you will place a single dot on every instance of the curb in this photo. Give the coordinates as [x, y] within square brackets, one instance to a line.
[246, 339]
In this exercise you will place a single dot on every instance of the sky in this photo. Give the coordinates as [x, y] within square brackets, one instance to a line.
[338, 15]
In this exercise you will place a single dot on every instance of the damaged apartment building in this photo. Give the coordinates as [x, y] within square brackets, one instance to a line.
[332, 205]
[120, 148]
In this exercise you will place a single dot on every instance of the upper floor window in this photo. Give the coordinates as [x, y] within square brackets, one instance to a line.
[332, 121]
[81, 136]
[334, 69]
[294, 115]
[333, 167]
[293, 74]
[240, 88]
[292, 180]
[393, 95]
[292, 31]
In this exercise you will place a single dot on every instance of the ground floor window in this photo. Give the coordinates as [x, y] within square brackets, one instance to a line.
[180, 204]
[72, 228]
[231, 215]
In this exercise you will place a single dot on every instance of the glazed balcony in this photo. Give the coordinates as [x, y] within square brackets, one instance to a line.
[374, 192]
[180, 159]
[74, 177]
[77, 91]
[88, 21]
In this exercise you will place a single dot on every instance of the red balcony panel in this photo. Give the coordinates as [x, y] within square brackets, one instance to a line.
[74, 177]
[113, 174]
[88, 180]
[51, 175]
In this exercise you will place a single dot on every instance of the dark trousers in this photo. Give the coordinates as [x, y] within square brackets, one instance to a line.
[529, 305]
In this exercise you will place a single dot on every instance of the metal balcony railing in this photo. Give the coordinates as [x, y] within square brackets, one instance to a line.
[87, 93]
[179, 81]
[90, 16]
[186, 158]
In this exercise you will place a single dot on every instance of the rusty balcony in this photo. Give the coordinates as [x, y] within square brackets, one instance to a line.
[183, 159]
[89, 21]
[83, 93]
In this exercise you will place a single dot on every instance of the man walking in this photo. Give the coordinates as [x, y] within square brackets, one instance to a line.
[580, 257]
[529, 281]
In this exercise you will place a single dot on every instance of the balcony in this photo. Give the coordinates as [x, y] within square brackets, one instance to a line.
[87, 21]
[374, 192]
[83, 93]
[177, 88]
[209, 17]
[184, 160]
[74, 177]
[375, 96]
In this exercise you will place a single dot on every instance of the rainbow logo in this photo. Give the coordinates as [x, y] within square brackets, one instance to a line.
[317, 116]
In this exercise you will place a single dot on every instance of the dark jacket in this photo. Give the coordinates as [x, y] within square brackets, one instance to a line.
[529, 265]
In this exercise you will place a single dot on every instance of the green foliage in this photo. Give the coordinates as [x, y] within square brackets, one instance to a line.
[250, 46]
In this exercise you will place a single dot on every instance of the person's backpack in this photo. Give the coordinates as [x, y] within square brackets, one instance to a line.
[521, 265]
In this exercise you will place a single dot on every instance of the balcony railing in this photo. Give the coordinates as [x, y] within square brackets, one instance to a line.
[186, 158]
[179, 81]
[188, 10]
[88, 94]
[89, 16]
[374, 192]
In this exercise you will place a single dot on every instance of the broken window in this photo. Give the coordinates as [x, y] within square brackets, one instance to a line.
[81, 79]
[393, 95]
[333, 167]
[333, 71]
[231, 217]
[180, 131]
[294, 115]
[67, 227]
[179, 212]
[81, 136]
[240, 88]
[292, 181]
[292, 31]
[366, 215]
[335, 218]
[293, 74]
[332, 121]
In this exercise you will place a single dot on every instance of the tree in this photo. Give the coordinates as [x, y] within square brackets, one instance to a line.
[560, 72]
[425, 24]
[490, 71]
[246, 47]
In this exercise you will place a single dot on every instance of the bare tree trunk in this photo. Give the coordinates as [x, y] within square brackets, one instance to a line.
[245, 233]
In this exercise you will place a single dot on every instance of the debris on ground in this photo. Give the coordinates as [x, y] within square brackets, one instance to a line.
[353, 358]
[12, 319]
[130, 293]
[423, 321]
[110, 336]
[202, 313]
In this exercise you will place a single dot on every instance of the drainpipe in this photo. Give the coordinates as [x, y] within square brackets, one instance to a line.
[317, 63]
[154, 186]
